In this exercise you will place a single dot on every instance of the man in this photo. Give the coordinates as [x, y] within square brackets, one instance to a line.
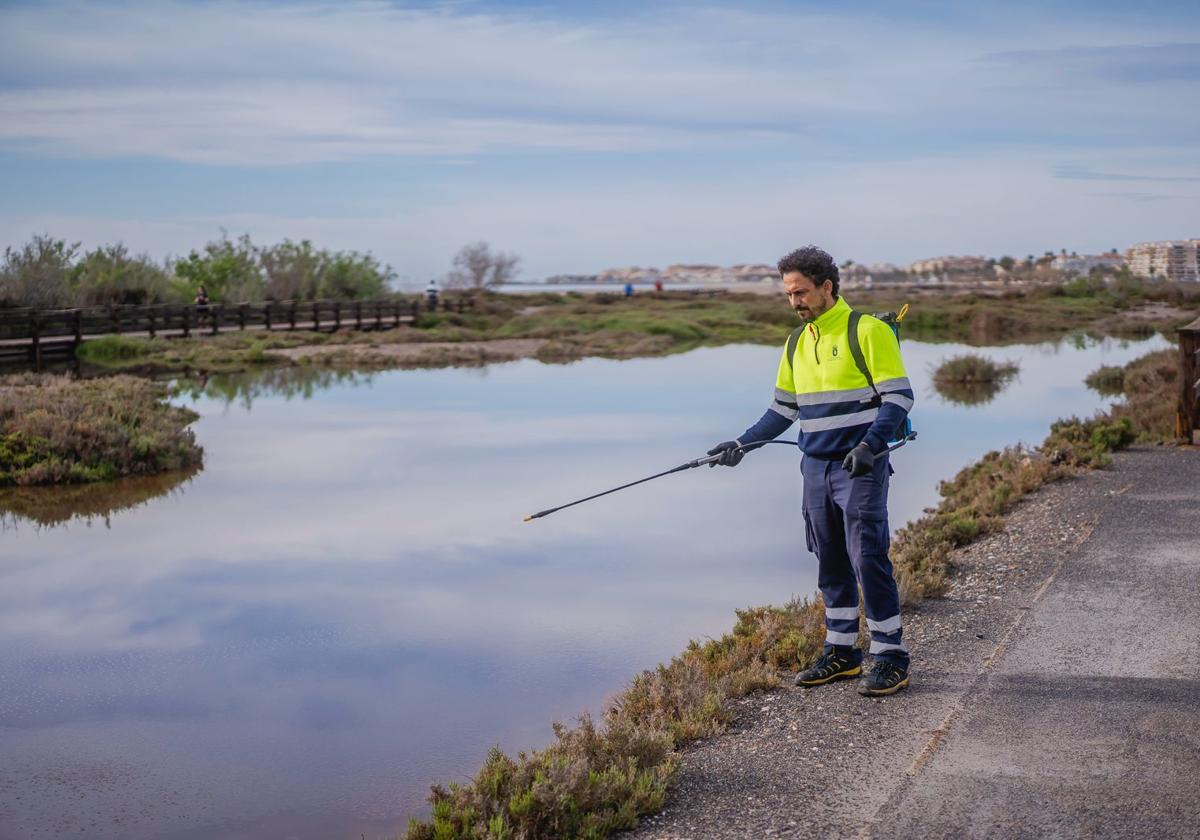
[846, 422]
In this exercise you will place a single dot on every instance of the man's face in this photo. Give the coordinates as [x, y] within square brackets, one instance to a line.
[807, 299]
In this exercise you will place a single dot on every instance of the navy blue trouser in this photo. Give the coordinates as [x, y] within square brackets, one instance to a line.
[845, 522]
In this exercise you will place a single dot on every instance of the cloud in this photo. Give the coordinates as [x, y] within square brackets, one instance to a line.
[581, 141]
[1120, 63]
[1080, 173]
[266, 84]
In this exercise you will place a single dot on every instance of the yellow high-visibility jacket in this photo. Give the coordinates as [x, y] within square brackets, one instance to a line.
[821, 387]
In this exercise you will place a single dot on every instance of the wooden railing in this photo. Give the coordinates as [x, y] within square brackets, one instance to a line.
[34, 331]
[1187, 425]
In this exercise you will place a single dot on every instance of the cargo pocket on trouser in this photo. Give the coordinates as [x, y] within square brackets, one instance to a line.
[809, 538]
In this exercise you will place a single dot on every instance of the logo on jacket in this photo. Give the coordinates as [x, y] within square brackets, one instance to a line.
[835, 351]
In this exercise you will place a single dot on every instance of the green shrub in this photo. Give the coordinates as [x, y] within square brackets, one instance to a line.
[39, 274]
[109, 275]
[228, 269]
[113, 348]
[1087, 443]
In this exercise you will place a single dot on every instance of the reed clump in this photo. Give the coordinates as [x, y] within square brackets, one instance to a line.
[57, 430]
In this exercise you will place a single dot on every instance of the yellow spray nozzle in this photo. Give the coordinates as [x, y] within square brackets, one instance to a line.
[527, 519]
[903, 311]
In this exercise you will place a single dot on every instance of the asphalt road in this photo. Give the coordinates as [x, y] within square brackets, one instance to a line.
[1056, 692]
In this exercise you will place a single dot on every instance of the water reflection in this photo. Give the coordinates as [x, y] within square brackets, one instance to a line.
[51, 506]
[245, 387]
[345, 605]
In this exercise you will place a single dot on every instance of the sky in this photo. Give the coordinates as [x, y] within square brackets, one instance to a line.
[582, 136]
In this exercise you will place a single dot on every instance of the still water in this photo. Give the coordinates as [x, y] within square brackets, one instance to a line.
[344, 604]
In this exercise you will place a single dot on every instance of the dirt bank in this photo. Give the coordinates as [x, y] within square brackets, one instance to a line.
[424, 354]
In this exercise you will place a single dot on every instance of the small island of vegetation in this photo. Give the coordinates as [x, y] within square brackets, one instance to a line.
[972, 379]
[57, 430]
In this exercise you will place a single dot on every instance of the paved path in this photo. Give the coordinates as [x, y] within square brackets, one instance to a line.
[1089, 723]
[1056, 692]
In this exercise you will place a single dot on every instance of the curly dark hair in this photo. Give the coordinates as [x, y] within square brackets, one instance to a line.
[813, 263]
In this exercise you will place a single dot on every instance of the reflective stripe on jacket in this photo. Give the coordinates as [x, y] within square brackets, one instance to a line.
[822, 388]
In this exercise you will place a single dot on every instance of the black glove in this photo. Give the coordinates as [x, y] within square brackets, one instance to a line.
[860, 461]
[731, 456]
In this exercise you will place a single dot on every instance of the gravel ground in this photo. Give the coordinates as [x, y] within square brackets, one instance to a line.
[826, 762]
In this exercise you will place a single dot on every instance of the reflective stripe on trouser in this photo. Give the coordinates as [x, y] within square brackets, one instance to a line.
[846, 526]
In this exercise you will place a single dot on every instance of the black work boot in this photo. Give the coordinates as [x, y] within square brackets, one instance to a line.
[883, 678]
[833, 665]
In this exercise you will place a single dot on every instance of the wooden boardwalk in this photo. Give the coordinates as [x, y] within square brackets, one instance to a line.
[30, 335]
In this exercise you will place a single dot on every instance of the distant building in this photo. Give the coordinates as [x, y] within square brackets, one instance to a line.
[634, 274]
[755, 273]
[1087, 263]
[949, 265]
[1171, 259]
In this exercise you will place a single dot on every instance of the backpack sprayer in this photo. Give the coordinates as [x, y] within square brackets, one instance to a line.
[903, 434]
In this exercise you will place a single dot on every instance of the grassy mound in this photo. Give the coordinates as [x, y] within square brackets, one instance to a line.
[56, 430]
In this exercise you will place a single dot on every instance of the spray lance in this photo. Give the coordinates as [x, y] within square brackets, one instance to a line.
[691, 465]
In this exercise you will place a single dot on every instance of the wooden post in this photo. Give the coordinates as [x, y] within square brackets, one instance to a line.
[77, 318]
[214, 315]
[187, 321]
[1187, 424]
[396, 313]
[242, 316]
[337, 315]
[292, 313]
[358, 314]
[316, 316]
[114, 312]
[150, 316]
[416, 309]
[378, 316]
[35, 333]
[267, 315]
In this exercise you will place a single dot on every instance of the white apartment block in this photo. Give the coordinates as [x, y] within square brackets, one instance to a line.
[1172, 259]
[945, 265]
[1086, 263]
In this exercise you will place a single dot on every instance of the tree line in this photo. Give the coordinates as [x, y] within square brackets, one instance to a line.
[50, 273]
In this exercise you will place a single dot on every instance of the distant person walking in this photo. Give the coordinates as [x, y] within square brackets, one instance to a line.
[658, 286]
[201, 304]
[431, 296]
[841, 377]
[628, 290]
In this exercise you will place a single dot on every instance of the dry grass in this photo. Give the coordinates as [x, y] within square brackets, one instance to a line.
[1150, 386]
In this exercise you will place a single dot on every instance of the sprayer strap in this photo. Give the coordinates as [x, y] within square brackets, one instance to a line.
[792, 341]
[856, 350]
